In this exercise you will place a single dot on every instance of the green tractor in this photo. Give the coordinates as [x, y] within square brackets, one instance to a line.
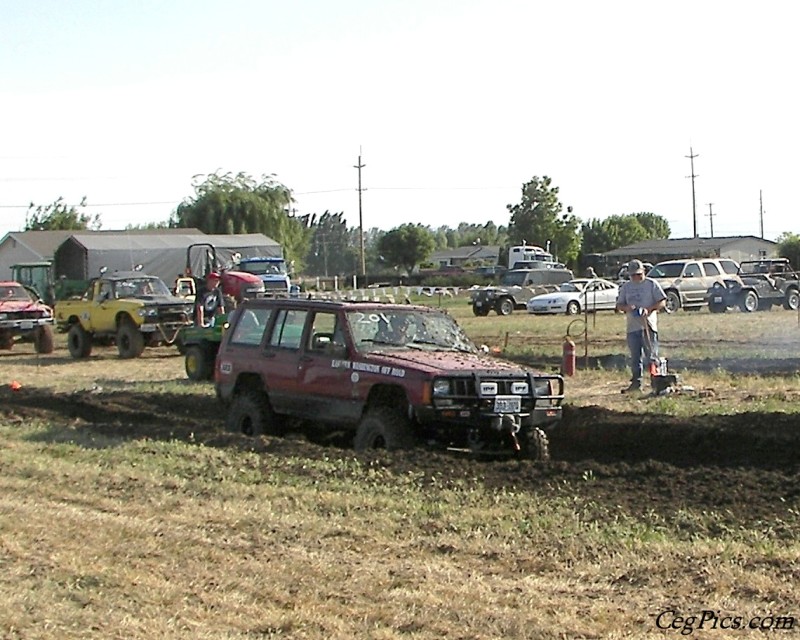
[37, 277]
[199, 345]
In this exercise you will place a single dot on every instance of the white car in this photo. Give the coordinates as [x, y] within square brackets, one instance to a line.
[575, 296]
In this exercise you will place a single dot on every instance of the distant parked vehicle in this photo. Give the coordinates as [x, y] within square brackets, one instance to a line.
[686, 282]
[758, 286]
[575, 296]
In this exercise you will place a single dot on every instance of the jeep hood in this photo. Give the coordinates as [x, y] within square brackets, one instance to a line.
[433, 362]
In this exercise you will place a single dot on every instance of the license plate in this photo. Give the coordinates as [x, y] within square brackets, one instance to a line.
[26, 324]
[478, 303]
[507, 404]
[717, 298]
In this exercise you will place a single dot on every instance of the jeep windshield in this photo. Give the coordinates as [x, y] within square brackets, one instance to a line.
[382, 329]
[671, 270]
[138, 287]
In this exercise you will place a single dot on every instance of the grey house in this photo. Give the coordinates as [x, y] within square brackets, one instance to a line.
[734, 247]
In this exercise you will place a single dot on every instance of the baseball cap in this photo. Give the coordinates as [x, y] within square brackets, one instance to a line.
[635, 266]
[213, 275]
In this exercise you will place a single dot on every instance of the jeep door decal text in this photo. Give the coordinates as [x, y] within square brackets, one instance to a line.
[385, 370]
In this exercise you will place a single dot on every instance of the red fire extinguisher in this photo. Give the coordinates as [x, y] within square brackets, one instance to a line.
[568, 357]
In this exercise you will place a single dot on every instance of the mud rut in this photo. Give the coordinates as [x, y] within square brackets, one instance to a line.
[743, 467]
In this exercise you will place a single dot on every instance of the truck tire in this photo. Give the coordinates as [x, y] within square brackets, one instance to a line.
[534, 445]
[130, 341]
[504, 306]
[749, 302]
[251, 415]
[792, 301]
[673, 302]
[43, 339]
[384, 428]
[79, 342]
[199, 363]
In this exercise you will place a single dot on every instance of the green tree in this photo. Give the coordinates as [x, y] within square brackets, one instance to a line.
[59, 215]
[332, 250]
[617, 231]
[538, 220]
[406, 246]
[789, 247]
[229, 203]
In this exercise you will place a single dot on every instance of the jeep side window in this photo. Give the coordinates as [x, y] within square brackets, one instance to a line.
[325, 332]
[711, 269]
[288, 329]
[692, 271]
[250, 326]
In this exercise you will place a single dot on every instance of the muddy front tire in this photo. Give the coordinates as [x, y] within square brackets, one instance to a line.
[749, 303]
[673, 302]
[130, 341]
[383, 428]
[79, 342]
[504, 307]
[43, 339]
[792, 301]
[251, 415]
[535, 445]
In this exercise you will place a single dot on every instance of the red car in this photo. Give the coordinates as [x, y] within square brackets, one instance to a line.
[23, 316]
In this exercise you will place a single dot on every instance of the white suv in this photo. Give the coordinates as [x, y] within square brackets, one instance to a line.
[686, 282]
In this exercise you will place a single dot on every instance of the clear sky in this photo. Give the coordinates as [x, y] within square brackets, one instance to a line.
[452, 104]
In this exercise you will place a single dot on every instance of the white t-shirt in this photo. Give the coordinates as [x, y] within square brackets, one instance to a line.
[642, 294]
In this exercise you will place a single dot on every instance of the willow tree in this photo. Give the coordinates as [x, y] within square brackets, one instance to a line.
[237, 203]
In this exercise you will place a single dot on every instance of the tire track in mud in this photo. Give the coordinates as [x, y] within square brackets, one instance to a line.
[743, 466]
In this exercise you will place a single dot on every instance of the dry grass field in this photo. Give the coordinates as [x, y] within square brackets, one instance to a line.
[126, 511]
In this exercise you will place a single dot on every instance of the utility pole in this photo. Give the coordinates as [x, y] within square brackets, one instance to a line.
[711, 215]
[761, 212]
[691, 157]
[360, 166]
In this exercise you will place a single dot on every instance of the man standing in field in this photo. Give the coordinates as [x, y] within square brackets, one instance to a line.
[641, 299]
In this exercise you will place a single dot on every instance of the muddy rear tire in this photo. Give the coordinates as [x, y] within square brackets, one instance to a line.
[79, 342]
[130, 341]
[43, 339]
[251, 415]
[673, 302]
[384, 428]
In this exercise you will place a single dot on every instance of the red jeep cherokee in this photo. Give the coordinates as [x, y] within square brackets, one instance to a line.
[394, 374]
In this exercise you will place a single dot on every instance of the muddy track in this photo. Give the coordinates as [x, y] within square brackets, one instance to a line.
[742, 467]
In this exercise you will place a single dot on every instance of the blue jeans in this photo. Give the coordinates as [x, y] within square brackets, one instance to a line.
[643, 347]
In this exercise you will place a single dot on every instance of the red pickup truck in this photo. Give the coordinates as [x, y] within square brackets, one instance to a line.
[24, 317]
[394, 375]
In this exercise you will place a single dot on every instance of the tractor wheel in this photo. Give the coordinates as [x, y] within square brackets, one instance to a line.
[130, 341]
[43, 339]
[251, 414]
[534, 445]
[383, 428]
[573, 308]
[673, 302]
[792, 301]
[504, 306]
[749, 302]
[79, 342]
[198, 363]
